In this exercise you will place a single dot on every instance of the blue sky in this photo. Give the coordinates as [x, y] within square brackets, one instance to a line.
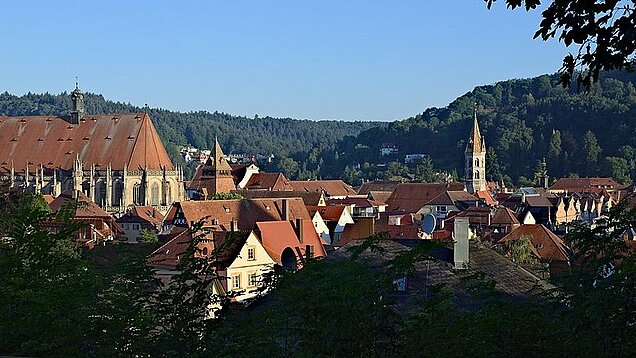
[352, 60]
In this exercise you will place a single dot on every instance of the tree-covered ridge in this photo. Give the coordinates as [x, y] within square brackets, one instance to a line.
[237, 134]
[523, 120]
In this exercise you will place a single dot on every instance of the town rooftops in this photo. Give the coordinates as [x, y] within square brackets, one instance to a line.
[120, 140]
[220, 215]
[145, 213]
[452, 198]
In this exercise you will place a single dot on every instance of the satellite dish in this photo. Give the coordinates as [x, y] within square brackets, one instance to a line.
[428, 223]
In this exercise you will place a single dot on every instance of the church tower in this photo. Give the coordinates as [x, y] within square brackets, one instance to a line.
[475, 159]
[78, 105]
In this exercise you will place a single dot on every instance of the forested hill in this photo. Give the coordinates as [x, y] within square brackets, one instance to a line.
[523, 120]
[264, 135]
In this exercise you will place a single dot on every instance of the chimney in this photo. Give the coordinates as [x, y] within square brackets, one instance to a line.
[460, 237]
[299, 228]
[233, 225]
[308, 252]
[285, 210]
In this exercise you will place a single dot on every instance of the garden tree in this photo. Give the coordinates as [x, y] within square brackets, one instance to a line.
[599, 295]
[148, 236]
[44, 282]
[227, 196]
[521, 250]
[396, 171]
[288, 166]
[602, 31]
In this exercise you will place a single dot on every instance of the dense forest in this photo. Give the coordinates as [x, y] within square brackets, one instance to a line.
[579, 133]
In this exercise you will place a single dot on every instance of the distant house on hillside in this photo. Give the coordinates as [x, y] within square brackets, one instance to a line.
[388, 149]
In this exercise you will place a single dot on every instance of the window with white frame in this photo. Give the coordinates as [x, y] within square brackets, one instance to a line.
[252, 279]
[251, 253]
[441, 209]
[236, 281]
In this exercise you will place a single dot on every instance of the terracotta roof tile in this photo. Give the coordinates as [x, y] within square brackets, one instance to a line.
[411, 197]
[268, 181]
[583, 184]
[330, 187]
[121, 140]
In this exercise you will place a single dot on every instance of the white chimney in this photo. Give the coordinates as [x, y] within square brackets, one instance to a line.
[460, 237]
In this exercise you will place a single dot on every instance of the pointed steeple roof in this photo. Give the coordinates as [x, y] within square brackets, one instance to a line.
[476, 141]
[219, 158]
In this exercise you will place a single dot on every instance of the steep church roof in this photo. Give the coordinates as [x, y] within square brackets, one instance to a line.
[220, 163]
[121, 140]
[476, 142]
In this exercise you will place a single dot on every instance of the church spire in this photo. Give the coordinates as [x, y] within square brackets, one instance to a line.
[476, 143]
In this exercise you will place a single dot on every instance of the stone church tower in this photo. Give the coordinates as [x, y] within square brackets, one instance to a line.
[213, 176]
[475, 160]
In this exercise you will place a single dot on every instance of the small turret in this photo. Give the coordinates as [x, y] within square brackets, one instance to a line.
[78, 105]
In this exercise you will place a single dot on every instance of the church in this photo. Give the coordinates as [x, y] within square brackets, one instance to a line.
[475, 156]
[117, 160]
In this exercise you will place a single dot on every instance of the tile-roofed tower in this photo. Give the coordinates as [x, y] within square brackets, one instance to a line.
[475, 170]
[213, 176]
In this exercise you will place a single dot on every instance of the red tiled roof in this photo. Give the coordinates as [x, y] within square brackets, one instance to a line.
[504, 216]
[583, 184]
[411, 197]
[121, 140]
[451, 197]
[358, 202]
[486, 196]
[328, 213]
[389, 186]
[146, 213]
[381, 196]
[548, 245]
[276, 236]
[86, 208]
[330, 187]
[245, 212]
[267, 181]
[310, 199]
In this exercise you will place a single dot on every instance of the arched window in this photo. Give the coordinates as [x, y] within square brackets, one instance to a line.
[154, 194]
[476, 162]
[137, 197]
[86, 188]
[118, 192]
[100, 192]
[477, 174]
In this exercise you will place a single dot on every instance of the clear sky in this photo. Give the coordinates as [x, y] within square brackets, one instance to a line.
[315, 59]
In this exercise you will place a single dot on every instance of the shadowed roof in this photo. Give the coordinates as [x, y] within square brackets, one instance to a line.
[330, 187]
[267, 181]
[583, 184]
[86, 208]
[121, 140]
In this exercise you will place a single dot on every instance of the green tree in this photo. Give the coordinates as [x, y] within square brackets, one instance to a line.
[289, 167]
[603, 31]
[617, 168]
[591, 150]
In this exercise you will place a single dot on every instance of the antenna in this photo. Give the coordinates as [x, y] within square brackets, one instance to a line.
[428, 223]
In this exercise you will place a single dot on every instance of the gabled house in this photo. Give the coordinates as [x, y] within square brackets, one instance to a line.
[139, 218]
[320, 226]
[585, 185]
[446, 202]
[411, 197]
[241, 173]
[337, 219]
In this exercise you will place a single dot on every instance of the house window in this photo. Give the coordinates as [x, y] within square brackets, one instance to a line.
[236, 281]
[137, 194]
[154, 194]
[441, 209]
[251, 253]
[252, 279]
